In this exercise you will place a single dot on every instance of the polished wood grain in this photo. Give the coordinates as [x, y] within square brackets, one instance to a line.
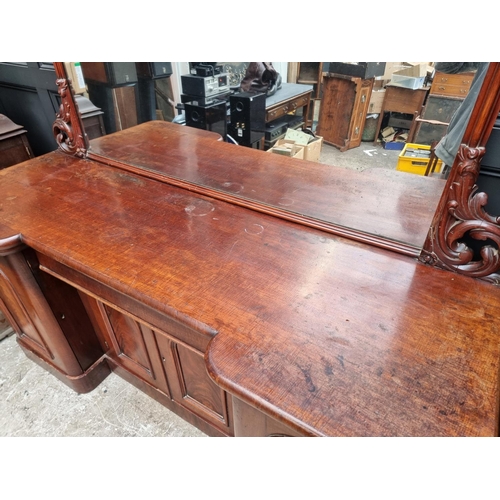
[323, 335]
[49, 320]
[387, 208]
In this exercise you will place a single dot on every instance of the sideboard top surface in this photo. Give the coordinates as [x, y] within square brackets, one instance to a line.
[393, 205]
[328, 335]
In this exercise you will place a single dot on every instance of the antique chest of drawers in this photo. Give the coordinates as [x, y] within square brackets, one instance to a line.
[452, 85]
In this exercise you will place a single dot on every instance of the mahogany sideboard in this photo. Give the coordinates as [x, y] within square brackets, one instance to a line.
[240, 321]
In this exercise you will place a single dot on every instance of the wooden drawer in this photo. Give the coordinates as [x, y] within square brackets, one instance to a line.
[452, 85]
[288, 107]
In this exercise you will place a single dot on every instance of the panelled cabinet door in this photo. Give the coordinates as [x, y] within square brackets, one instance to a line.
[191, 386]
[166, 363]
[130, 344]
[363, 94]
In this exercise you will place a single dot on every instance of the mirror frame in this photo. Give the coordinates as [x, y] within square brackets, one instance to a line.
[460, 210]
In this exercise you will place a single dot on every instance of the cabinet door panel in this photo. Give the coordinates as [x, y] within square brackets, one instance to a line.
[359, 112]
[191, 386]
[339, 95]
[19, 316]
[130, 344]
[128, 340]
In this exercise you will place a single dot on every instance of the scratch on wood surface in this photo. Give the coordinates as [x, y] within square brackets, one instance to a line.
[307, 375]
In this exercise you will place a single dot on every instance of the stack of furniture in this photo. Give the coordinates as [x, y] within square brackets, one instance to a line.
[445, 96]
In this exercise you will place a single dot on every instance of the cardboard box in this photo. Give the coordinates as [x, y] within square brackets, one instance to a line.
[300, 138]
[376, 101]
[312, 145]
[74, 71]
[312, 151]
[391, 68]
[428, 66]
[288, 148]
[388, 133]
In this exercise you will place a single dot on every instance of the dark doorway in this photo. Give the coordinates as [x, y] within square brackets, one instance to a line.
[28, 96]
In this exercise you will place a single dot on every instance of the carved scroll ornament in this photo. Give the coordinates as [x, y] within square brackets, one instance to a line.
[464, 220]
[67, 128]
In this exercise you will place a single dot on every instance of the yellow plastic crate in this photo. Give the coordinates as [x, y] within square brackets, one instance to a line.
[415, 164]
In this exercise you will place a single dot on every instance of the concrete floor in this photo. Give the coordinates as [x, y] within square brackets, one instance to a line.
[34, 403]
[361, 158]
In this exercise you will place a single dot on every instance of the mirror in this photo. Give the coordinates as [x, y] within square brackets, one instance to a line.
[392, 209]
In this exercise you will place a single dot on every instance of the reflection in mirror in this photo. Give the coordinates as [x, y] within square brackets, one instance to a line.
[389, 208]
[464, 235]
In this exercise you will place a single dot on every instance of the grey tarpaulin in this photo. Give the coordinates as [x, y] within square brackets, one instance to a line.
[447, 148]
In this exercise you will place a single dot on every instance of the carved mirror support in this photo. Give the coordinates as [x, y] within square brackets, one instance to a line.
[463, 237]
[68, 127]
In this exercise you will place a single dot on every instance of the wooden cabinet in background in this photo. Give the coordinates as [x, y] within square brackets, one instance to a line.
[311, 73]
[112, 86]
[401, 100]
[344, 107]
[92, 117]
[14, 145]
